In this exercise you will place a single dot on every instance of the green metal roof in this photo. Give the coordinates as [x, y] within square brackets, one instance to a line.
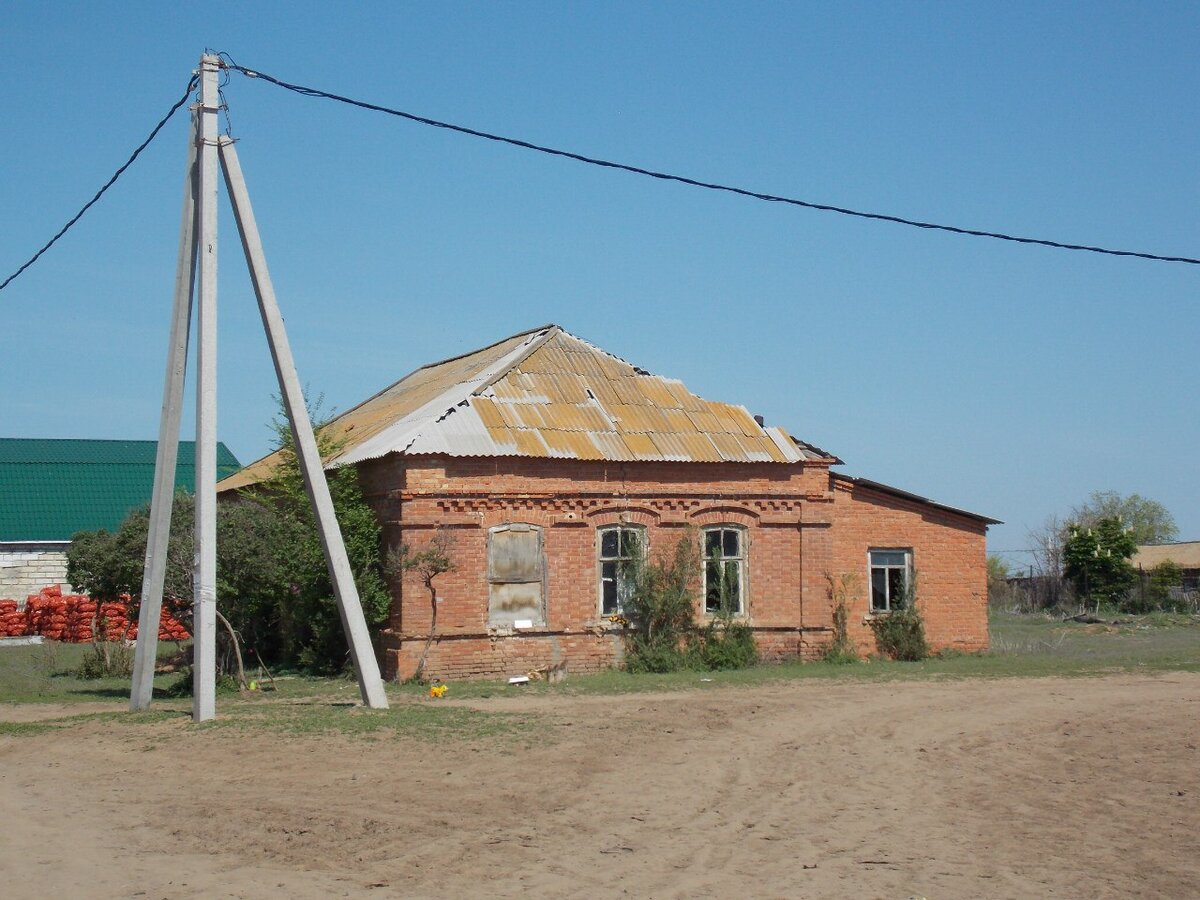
[51, 488]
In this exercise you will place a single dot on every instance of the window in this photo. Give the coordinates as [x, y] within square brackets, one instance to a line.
[724, 569]
[889, 579]
[516, 575]
[619, 548]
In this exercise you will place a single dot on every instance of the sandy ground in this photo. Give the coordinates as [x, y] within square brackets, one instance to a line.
[1013, 788]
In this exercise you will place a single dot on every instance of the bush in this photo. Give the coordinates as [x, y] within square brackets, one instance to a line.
[1165, 590]
[106, 660]
[272, 582]
[722, 644]
[900, 634]
[182, 686]
[652, 655]
[661, 610]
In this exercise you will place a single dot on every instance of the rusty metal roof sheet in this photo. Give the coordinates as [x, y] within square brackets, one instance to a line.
[547, 393]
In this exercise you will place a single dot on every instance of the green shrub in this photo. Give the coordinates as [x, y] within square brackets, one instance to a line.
[182, 686]
[1160, 592]
[272, 581]
[106, 660]
[900, 634]
[661, 610]
[657, 655]
[722, 644]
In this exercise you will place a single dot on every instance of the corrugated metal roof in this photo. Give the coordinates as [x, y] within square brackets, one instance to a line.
[547, 393]
[50, 489]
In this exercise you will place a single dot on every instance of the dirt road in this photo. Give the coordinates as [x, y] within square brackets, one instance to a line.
[1083, 787]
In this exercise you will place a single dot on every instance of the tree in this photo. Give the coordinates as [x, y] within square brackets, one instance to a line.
[1148, 520]
[1165, 578]
[272, 582]
[428, 564]
[1046, 543]
[299, 594]
[1096, 560]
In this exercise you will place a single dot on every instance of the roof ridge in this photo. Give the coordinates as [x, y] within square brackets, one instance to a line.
[441, 362]
[551, 331]
[460, 393]
[636, 368]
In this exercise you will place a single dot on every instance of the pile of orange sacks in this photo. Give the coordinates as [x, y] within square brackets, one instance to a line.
[69, 617]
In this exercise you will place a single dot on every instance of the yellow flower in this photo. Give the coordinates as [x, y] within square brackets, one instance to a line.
[438, 690]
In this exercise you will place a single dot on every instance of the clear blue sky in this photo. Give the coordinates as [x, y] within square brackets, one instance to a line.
[1008, 380]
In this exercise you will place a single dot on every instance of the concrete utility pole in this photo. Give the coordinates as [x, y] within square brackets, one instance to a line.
[198, 255]
[204, 602]
[162, 499]
[349, 605]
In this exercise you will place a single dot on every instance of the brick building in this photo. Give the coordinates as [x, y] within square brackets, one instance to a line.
[544, 461]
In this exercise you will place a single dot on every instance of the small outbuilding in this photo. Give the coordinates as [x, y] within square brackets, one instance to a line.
[1185, 554]
[51, 488]
[544, 461]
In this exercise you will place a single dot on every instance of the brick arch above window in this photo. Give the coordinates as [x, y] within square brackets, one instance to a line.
[633, 515]
[719, 514]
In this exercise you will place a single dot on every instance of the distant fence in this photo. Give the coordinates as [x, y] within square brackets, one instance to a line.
[1039, 592]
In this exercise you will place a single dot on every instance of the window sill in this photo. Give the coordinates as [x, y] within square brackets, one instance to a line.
[739, 618]
[510, 629]
[881, 614]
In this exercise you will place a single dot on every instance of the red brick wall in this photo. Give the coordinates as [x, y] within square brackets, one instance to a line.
[949, 558]
[792, 528]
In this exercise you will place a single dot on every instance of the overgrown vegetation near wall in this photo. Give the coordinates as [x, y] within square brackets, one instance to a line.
[661, 611]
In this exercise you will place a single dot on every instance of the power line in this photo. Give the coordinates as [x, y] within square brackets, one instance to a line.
[100, 193]
[637, 170]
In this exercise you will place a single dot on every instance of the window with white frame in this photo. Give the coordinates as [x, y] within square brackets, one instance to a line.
[516, 575]
[890, 572]
[724, 569]
[619, 548]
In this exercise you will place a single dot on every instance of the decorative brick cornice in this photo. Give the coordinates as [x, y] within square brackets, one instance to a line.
[470, 509]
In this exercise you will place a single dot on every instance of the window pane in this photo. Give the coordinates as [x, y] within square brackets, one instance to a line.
[731, 543]
[733, 587]
[712, 543]
[712, 586]
[609, 594]
[631, 542]
[896, 588]
[878, 590]
[625, 586]
[608, 542]
[888, 557]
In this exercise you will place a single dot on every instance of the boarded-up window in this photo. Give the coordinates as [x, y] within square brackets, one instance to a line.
[516, 575]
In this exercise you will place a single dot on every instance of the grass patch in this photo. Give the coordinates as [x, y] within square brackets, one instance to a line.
[1035, 645]
[42, 726]
[1022, 646]
[422, 721]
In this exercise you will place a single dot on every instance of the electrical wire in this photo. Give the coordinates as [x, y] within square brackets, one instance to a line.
[117, 174]
[664, 176]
